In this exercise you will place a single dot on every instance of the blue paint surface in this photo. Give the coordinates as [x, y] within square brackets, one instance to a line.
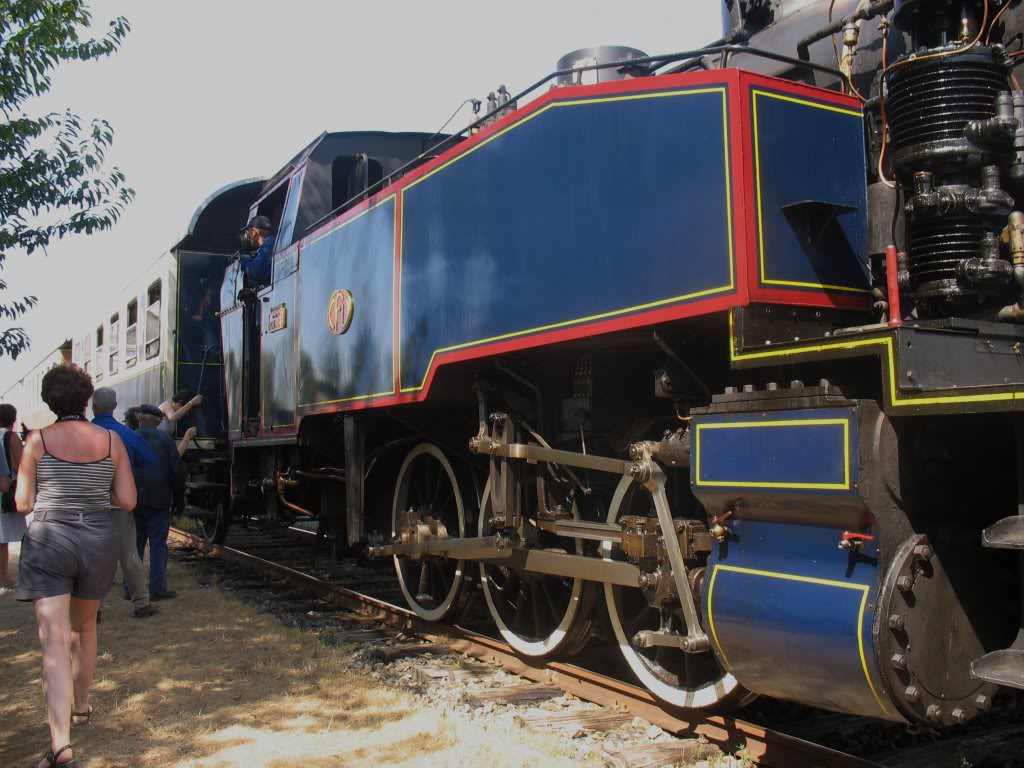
[358, 256]
[751, 449]
[807, 153]
[796, 639]
[584, 209]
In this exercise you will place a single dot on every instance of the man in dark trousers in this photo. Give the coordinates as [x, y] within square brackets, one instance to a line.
[156, 492]
[104, 401]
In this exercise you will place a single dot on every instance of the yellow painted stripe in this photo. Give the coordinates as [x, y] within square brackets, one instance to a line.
[555, 105]
[806, 103]
[895, 398]
[611, 313]
[563, 324]
[332, 230]
[844, 423]
[757, 180]
[862, 588]
[348, 399]
[391, 255]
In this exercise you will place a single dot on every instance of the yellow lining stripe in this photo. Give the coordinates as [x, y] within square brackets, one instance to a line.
[886, 341]
[862, 588]
[845, 423]
[391, 255]
[611, 313]
[757, 180]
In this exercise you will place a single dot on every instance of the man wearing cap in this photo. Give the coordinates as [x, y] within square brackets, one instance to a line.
[104, 401]
[257, 234]
[156, 492]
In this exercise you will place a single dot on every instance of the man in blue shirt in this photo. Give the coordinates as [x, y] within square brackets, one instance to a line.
[257, 234]
[104, 401]
[156, 493]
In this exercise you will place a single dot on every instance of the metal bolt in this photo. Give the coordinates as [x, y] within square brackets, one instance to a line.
[934, 712]
[898, 661]
[922, 552]
[748, 388]
[959, 715]
[796, 384]
[911, 694]
[983, 702]
[904, 583]
[897, 622]
[772, 386]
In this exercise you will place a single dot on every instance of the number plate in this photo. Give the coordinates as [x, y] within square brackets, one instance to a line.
[278, 318]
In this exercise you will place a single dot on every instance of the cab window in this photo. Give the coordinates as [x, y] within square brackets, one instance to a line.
[287, 228]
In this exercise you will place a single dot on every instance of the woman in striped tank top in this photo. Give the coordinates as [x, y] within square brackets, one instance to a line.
[70, 475]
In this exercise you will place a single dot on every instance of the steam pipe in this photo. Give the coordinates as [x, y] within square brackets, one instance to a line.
[868, 11]
[283, 482]
[1014, 235]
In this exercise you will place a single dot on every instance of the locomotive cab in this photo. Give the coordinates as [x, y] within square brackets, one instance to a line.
[332, 175]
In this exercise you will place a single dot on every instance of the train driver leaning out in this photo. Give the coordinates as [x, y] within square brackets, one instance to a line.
[258, 234]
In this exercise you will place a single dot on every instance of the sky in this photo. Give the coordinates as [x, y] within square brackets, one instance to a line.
[206, 92]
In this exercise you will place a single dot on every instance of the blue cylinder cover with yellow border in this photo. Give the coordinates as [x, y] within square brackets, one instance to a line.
[789, 612]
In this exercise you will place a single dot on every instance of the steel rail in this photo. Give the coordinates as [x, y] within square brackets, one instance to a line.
[767, 747]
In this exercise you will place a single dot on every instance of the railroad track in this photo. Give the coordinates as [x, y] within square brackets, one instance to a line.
[766, 746]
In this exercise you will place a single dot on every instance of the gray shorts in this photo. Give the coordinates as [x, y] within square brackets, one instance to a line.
[68, 553]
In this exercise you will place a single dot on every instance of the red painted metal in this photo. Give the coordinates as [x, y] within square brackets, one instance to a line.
[892, 284]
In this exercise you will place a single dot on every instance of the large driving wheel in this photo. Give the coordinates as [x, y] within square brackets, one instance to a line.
[692, 680]
[434, 587]
[537, 615]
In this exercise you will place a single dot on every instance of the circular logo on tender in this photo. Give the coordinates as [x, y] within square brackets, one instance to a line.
[340, 309]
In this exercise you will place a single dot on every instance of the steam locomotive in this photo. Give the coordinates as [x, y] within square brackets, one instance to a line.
[715, 354]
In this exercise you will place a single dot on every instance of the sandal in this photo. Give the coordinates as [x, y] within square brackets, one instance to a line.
[87, 715]
[51, 759]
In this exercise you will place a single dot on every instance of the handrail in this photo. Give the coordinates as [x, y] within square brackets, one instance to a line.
[656, 61]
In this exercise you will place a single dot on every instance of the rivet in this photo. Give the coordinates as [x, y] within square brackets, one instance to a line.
[896, 621]
[922, 552]
[898, 661]
[959, 715]
[983, 702]
[904, 583]
[911, 694]
[934, 712]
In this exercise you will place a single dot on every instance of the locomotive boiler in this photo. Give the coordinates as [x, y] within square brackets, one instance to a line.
[714, 355]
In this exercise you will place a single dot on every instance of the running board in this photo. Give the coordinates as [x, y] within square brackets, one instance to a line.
[1005, 667]
[1008, 533]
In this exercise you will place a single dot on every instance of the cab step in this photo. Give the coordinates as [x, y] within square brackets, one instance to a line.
[1008, 533]
[1004, 667]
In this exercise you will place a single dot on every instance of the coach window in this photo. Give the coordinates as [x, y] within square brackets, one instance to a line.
[115, 342]
[131, 335]
[99, 354]
[153, 320]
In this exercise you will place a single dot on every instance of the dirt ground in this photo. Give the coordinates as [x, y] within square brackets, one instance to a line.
[211, 682]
